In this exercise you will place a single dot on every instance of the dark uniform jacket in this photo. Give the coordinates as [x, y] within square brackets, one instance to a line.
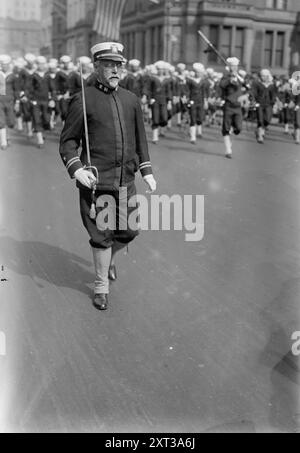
[61, 81]
[134, 83]
[160, 90]
[264, 95]
[230, 91]
[41, 89]
[197, 91]
[118, 143]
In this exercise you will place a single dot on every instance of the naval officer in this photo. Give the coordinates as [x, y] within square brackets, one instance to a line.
[118, 148]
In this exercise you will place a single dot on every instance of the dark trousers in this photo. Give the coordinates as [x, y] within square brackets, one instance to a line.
[7, 114]
[41, 117]
[297, 119]
[264, 116]
[63, 108]
[233, 117]
[26, 111]
[159, 115]
[197, 114]
[105, 238]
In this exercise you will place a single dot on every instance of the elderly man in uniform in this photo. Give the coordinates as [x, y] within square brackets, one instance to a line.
[118, 147]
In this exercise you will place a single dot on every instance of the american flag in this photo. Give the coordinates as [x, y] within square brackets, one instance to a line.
[108, 18]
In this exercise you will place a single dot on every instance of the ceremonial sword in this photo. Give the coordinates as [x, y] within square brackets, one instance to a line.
[89, 166]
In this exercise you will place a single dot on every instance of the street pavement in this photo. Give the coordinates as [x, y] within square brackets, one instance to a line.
[198, 334]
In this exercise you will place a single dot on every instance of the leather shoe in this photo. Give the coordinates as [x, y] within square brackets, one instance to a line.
[101, 301]
[112, 273]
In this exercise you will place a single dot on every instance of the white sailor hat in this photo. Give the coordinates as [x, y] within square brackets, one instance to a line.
[134, 63]
[84, 60]
[30, 58]
[65, 59]
[20, 62]
[181, 66]
[198, 67]
[108, 51]
[160, 64]
[41, 60]
[265, 72]
[5, 59]
[233, 61]
[52, 64]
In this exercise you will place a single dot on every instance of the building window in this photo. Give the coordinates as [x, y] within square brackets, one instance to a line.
[277, 4]
[226, 41]
[279, 49]
[214, 38]
[268, 48]
[239, 43]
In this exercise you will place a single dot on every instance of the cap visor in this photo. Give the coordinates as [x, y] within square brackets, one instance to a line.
[112, 57]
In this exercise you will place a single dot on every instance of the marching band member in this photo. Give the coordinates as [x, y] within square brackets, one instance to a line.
[40, 94]
[160, 100]
[134, 79]
[74, 79]
[7, 98]
[53, 103]
[198, 92]
[26, 76]
[182, 106]
[62, 85]
[231, 90]
[264, 93]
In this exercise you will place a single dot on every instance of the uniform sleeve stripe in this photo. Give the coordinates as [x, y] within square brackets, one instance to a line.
[72, 161]
[145, 166]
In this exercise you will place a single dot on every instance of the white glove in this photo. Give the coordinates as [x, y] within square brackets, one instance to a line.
[151, 183]
[152, 101]
[85, 177]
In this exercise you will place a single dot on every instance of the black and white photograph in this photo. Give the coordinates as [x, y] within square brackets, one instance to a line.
[150, 219]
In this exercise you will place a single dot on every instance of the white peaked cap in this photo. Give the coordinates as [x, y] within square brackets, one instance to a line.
[65, 59]
[41, 60]
[84, 60]
[108, 51]
[233, 61]
[198, 67]
[30, 58]
[134, 63]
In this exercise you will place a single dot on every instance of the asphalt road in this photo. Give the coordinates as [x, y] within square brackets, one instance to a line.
[198, 336]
